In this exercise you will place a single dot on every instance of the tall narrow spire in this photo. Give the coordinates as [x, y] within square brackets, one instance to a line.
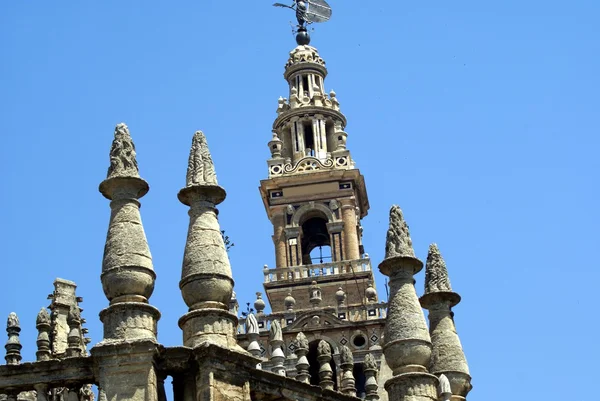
[407, 346]
[206, 283]
[448, 358]
[127, 271]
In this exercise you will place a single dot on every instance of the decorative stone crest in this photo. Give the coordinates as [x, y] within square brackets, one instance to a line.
[123, 161]
[436, 273]
[201, 169]
[398, 242]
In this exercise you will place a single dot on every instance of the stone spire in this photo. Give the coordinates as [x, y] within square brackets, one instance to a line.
[324, 359]
[130, 322]
[206, 282]
[42, 324]
[348, 384]
[276, 341]
[302, 364]
[371, 371]
[448, 358]
[407, 346]
[127, 272]
[13, 345]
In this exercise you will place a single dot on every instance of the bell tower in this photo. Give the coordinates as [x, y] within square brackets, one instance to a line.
[314, 196]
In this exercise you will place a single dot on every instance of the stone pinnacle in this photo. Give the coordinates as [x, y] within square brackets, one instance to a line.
[436, 274]
[398, 242]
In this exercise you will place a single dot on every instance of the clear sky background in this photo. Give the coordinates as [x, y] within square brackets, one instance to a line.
[480, 119]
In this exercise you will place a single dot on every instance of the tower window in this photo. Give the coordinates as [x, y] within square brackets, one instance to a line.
[305, 83]
[309, 142]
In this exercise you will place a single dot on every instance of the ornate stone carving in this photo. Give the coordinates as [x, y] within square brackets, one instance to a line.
[325, 371]
[13, 345]
[315, 294]
[436, 274]
[43, 339]
[304, 54]
[259, 304]
[308, 164]
[444, 390]
[74, 342]
[398, 242]
[201, 169]
[302, 364]
[253, 334]
[371, 371]
[123, 161]
[289, 302]
[276, 341]
[347, 364]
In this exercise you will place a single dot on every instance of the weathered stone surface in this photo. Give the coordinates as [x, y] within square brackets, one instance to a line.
[370, 370]
[42, 324]
[347, 382]
[412, 387]
[436, 274]
[398, 241]
[201, 169]
[130, 321]
[123, 161]
[325, 371]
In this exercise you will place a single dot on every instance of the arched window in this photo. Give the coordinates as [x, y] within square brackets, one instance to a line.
[315, 237]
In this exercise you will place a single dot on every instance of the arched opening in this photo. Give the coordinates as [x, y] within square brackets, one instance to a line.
[315, 237]
[314, 366]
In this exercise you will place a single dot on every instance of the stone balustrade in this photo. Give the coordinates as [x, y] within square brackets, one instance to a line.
[295, 273]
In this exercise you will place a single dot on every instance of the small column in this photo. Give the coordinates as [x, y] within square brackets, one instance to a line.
[292, 236]
[206, 283]
[335, 230]
[42, 324]
[130, 322]
[371, 371]
[348, 384]
[407, 346]
[13, 345]
[277, 355]
[302, 365]
[351, 248]
[325, 371]
[279, 240]
[448, 356]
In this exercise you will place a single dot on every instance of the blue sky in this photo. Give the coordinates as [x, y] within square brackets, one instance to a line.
[479, 119]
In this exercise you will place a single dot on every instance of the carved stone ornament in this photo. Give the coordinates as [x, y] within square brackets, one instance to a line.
[436, 273]
[251, 324]
[13, 321]
[43, 317]
[369, 362]
[275, 333]
[201, 169]
[398, 242]
[324, 348]
[301, 341]
[122, 155]
[346, 356]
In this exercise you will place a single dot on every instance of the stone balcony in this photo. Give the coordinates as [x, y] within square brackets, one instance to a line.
[310, 272]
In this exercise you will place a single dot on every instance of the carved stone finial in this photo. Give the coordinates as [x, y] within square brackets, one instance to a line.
[289, 302]
[348, 384]
[259, 304]
[253, 334]
[315, 294]
[123, 161]
[444, 390]
[74, 342]
[370, 292]
[370, 370]
[251, 324]
[340, 296]
[42, 324]
[398, 242]
[302, 364]
[201, 169]
[325, 371]
[13, 345]
[275, 333]
[276, 341]
[436, 274]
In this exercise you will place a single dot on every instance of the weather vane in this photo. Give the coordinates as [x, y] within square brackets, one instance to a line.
[307, 12]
